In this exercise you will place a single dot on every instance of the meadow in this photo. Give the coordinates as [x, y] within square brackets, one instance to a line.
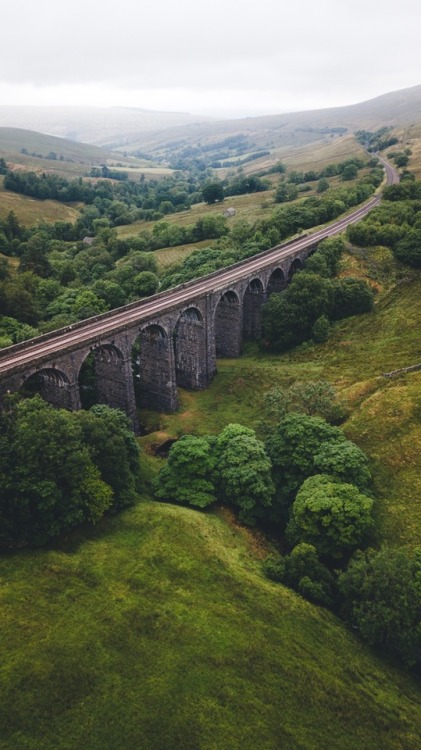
[157, 630]
[30, 211]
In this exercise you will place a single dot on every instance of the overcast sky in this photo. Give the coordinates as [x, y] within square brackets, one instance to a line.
[220, 57]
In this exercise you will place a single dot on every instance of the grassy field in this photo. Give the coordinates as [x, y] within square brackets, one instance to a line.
[30, 211]
[171, 256]
[315, 155]
[158, 631]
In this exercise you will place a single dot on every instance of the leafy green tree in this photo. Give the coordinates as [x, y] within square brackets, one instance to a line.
[322, 185]
[286, 191]
[110, 292]
[213, 191]
[344, 461]
[306, 574]
[321, 329]
[291, 447]
[243, 472]
[48, 482]
[34, 256]
[408, 250]
[333, 516]
[350, 172]
[382, 598]
[187, 477]
[313, 397]
[288, 318]
[145, 284]
[303, 572]
[87, 305]
[114, 451]
[351, 297]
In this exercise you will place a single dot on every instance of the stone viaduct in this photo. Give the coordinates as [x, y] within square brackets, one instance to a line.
[168, 340]
[154, 352]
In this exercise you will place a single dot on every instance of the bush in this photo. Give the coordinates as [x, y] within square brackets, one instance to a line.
[351, 297]
[59, 469]
[333, 516]
[382, 598]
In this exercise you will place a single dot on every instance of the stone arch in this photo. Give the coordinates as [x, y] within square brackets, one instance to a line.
[190, 351]
[253, 299]
[228, 325]
[54, 386]
[295, 266]
[154, 369]
[277, 282]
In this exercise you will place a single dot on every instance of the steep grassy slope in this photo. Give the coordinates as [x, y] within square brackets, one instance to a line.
[30, 211]
[158, 631]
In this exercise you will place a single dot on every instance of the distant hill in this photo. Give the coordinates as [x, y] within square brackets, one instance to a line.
[102, 126]
[399, 109]
[20, 141]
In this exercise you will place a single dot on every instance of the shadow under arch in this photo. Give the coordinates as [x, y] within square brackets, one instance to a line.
[295, 266]
[277, 282]
[190, 352]
[53, 385]
[154, 369]
[253, 299]
[101, 378]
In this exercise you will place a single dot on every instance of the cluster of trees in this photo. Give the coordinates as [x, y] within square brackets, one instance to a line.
[122, 201]
[376, 140]
[313, 299]
[396, 223]
[246, 239]
[296, 181]
[305, 479]
[309, 486]
[58, 283]
[59, 469]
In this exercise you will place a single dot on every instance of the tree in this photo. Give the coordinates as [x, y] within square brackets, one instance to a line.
[314, 398]
[34, 256]
[333, 516]
[351, 297]
[291, 447]
[288, 318]
[344, 461]
[48, 482]
[321, 329]
[187, 477]
[286, 191]
[382, 598]
[213, 191]
[145, 284]
[350, 172]
[114, 451]
[87, 305]
[322, 185]
[243, 472]
[408, 250]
